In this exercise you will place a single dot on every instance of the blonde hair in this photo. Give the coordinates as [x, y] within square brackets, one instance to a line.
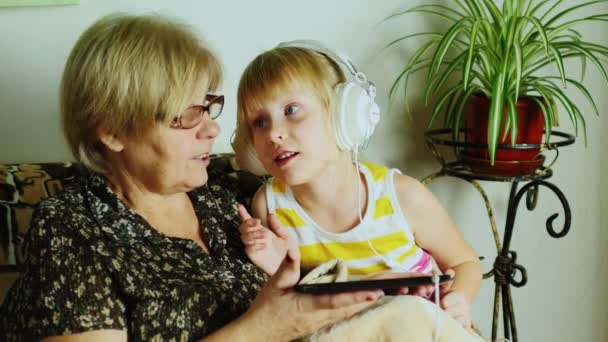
[127, 72]
[266, 76]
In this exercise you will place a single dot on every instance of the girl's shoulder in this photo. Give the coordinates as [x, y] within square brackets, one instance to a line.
[410, 191]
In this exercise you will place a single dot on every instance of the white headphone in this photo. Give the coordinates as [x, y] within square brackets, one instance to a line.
[357, 112]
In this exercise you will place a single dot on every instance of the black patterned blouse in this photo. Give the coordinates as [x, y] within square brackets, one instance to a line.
[92, 263]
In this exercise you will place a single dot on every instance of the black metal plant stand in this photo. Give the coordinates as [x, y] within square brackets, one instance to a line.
[506, 271]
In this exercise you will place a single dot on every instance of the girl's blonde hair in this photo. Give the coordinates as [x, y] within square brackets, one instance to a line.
[127, 72]
[266, 76]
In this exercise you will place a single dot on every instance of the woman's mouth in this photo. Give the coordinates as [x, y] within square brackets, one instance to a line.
[203, 158]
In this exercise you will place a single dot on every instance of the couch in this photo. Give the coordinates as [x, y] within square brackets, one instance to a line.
[23, 186]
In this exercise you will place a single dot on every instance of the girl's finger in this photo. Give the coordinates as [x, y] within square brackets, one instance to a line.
[243, 213]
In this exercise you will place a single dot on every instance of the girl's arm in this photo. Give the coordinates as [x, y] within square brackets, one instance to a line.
[435, 232]
[259, 208]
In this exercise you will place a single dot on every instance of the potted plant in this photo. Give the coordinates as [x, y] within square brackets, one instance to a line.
[504, 93]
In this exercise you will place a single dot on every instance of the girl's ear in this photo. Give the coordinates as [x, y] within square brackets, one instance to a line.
[110, 140]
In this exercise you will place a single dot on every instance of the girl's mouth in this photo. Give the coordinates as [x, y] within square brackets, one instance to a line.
[284, 158]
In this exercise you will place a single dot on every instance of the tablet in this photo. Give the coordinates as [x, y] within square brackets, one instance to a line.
[365, 285]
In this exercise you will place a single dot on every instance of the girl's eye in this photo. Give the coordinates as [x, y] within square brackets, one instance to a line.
[259, 123]
[291, 109]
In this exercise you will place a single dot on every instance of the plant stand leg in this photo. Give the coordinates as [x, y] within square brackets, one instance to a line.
[505, 269]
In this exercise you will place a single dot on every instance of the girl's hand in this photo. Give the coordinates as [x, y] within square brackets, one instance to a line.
[280, 314]
[455, 303]
[265, 247]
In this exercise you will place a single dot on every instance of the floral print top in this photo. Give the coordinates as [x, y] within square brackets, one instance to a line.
[92, 263]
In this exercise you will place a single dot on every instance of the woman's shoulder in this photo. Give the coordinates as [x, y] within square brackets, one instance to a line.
[71, 200]
[74, 212]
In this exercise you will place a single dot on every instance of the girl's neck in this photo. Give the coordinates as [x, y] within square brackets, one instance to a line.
[331, 198]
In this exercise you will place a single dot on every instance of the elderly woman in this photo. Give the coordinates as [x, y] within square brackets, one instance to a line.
[144, 245]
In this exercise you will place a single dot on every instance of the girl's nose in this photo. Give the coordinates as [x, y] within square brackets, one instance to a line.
[278, 134]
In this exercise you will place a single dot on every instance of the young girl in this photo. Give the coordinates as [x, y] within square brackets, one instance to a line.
[303, 112]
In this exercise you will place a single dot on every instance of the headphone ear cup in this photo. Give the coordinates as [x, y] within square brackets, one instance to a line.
[356, 116]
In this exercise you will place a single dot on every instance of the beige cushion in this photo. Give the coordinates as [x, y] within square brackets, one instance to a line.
[398, 318]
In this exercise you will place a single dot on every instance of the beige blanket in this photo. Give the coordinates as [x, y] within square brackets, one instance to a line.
[401, 318]
[391, 319]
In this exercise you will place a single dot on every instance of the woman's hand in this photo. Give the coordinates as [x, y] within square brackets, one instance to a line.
[280, 314]
[423, 290]
[266, 248]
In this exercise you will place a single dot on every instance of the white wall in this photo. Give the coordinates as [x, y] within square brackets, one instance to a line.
[564, 299]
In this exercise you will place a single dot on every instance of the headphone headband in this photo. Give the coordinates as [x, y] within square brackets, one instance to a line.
[340, 59]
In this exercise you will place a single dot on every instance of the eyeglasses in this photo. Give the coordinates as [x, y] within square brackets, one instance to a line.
[192, 116]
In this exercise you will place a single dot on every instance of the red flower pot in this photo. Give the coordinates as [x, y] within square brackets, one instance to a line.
[530, 129]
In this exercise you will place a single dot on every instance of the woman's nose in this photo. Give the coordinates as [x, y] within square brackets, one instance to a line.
[209, 129]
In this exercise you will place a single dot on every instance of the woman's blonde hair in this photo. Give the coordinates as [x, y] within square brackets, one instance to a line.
[266, 77]
[127, 72]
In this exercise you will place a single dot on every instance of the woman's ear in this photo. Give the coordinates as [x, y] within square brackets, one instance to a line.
[110, 140]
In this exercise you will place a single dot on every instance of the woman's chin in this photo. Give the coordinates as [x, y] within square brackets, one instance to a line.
[197, 179]
[202, 180]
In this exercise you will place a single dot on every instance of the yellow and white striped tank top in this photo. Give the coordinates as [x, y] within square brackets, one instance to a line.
[383, 224]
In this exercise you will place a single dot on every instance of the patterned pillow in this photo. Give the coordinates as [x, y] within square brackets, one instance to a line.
[23, 186]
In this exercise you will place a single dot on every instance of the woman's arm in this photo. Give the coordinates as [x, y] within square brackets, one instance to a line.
[276, 301]
[435, 232]
[91, 336]
[64, 287]
[266, 318]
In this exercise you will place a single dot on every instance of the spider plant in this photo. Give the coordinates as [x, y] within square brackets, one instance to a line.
[504, 53]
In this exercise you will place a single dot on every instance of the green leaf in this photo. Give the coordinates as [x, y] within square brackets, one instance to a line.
[428, 9]
[583, 90]
[530, 11]
[554, 6]
[559, 63]
[519, 65]
[466, 10]
[469, 62]
[497, 107]
[547, 112]
[514, 118]
[436, 35]
[450, 112]
[452, 66]
[540, 30]
[448, 95]
[579, 48]
[414, 60]
[475, 10]
[457, 121]
[559, 94]
[494, 11]
[570, 9]
[445, 44]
